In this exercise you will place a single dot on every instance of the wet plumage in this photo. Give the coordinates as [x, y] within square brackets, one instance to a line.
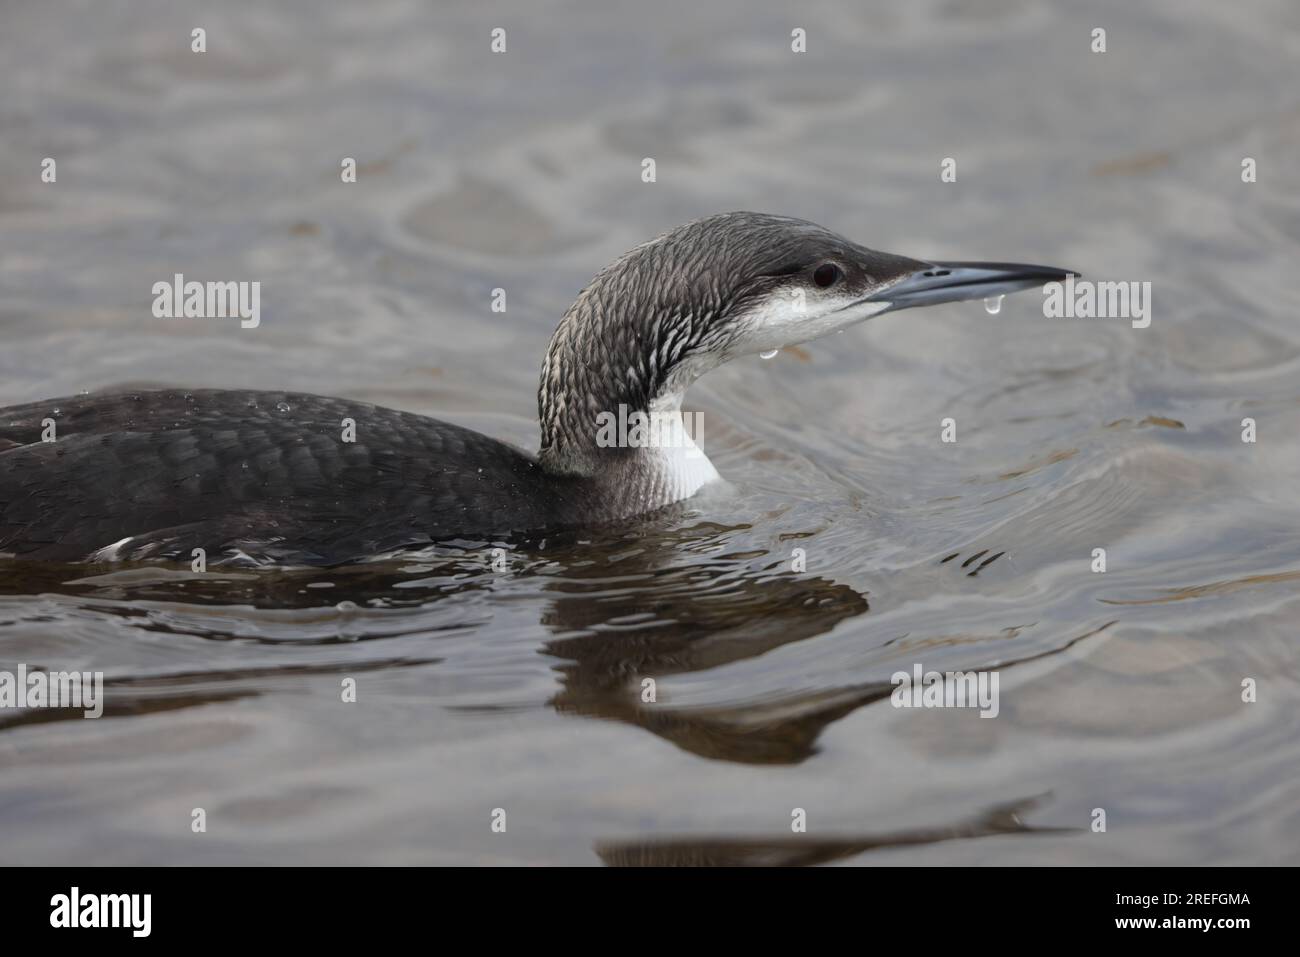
[266, 476]
[230, 470]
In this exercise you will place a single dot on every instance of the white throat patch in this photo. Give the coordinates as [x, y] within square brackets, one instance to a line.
[681, 464]
[785, 320]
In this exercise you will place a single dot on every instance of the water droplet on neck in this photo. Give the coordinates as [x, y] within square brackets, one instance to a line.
[768, 355]
[282, 407]
[993, 305]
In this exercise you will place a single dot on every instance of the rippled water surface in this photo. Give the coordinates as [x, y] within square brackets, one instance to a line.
[480, 689]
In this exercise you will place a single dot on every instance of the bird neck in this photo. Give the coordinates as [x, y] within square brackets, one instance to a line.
[610, 414]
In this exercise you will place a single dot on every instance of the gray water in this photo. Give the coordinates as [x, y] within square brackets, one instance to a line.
[519, 690]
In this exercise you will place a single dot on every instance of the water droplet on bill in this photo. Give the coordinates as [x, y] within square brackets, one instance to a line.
[993, 305]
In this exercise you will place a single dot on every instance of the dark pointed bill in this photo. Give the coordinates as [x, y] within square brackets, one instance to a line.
[953, 282]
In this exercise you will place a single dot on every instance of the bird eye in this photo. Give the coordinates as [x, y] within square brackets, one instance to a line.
[826, 275]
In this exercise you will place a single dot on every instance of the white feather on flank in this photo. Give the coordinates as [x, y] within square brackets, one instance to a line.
[111, 553]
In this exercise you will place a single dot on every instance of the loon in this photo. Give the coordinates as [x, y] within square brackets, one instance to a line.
[154, 475]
